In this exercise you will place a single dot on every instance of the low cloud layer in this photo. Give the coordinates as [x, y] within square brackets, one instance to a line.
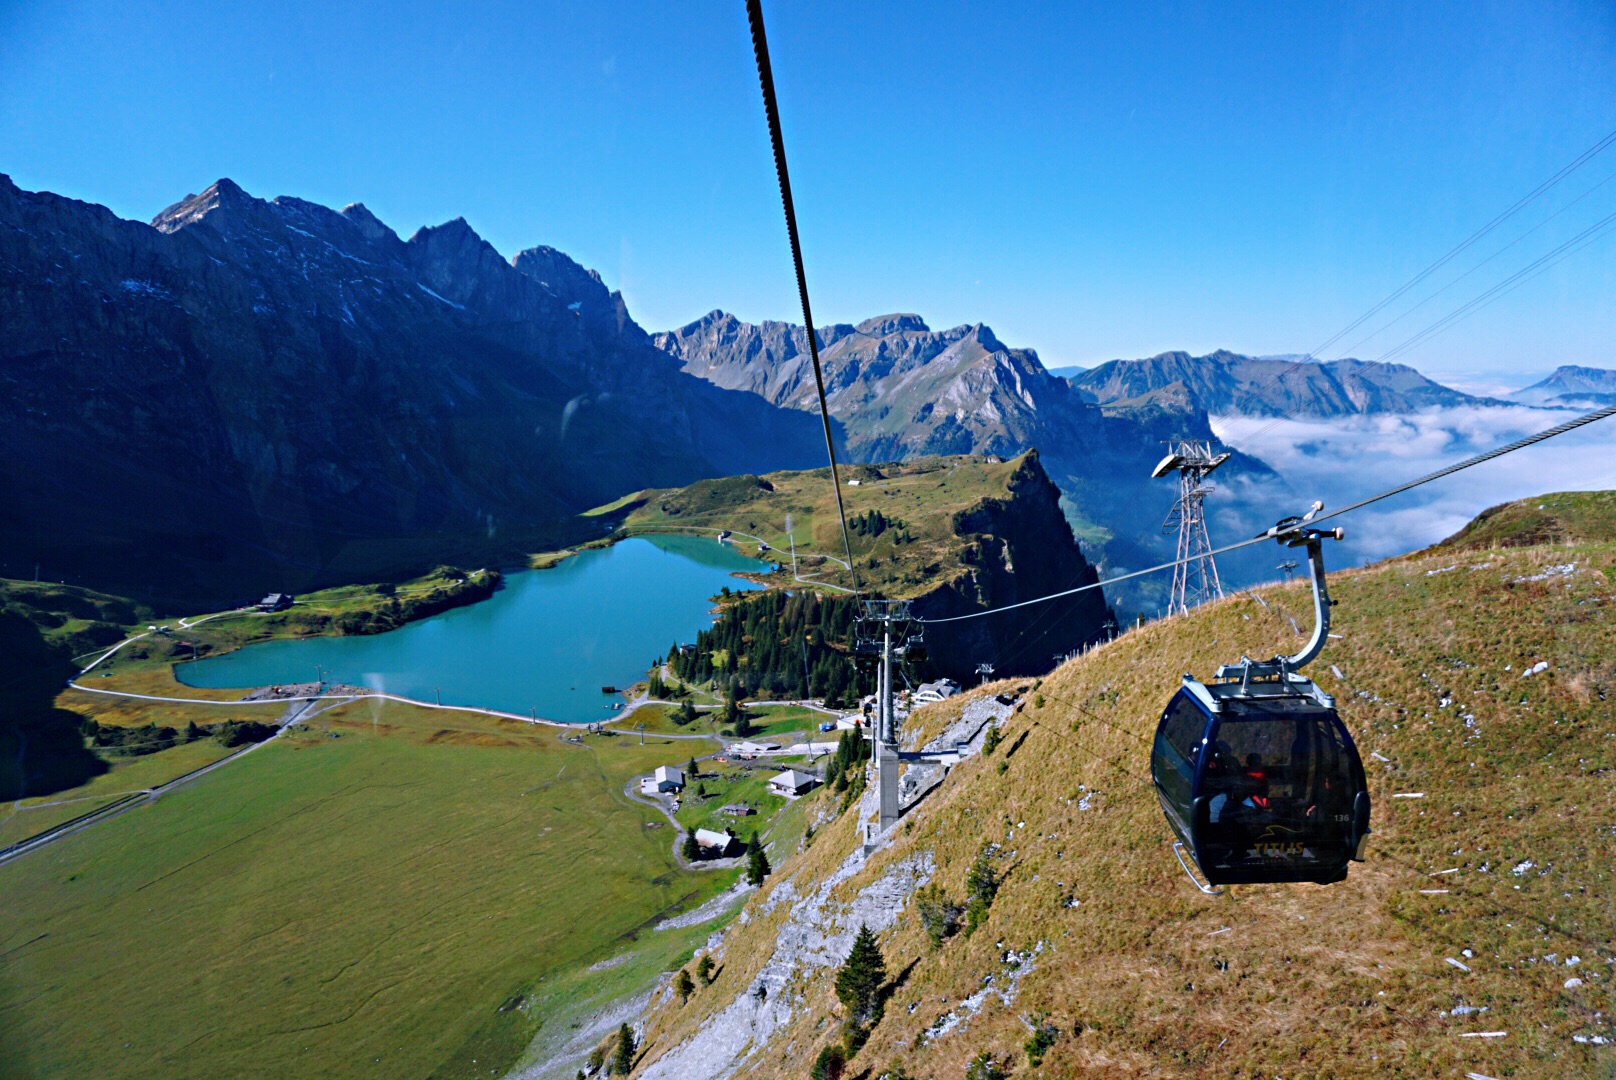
[1341, 461]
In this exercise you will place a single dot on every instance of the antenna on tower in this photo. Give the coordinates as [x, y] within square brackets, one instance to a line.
[1195, 575]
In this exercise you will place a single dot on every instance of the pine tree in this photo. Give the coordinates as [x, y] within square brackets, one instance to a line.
[981, 886]
[757, 862]
[687, 713]
[683, 986]
[692, 770]
[829, 1065]
[690, 850]
[859, 982]
[623, 1058]
[704, 969]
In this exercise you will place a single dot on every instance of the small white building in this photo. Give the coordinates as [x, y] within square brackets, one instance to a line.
[666, 778]
[792, 783]
[715, 845]
[927, 693]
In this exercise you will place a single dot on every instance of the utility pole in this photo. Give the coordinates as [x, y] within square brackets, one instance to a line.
[641, 728]
[1286, 567]
[437, 695]
[984, 670]
[1195, 575]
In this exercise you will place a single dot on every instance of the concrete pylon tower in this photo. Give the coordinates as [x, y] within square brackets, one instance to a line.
[1195, 574]
[887, 635]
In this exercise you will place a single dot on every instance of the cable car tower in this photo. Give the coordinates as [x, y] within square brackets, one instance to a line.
[1195, 575]
[887, 631]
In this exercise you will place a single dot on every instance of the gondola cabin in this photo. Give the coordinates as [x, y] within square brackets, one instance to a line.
[1261, 781]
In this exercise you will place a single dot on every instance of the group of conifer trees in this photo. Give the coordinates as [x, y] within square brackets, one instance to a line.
[776, 646]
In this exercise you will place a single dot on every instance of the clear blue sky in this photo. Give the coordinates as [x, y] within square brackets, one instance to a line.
[1092, 181]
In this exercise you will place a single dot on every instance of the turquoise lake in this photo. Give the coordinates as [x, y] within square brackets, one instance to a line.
[547, 641]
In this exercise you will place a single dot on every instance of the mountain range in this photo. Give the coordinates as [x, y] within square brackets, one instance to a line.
[1571, 386]
[900, 389]
[248, 395]
[1229, 384]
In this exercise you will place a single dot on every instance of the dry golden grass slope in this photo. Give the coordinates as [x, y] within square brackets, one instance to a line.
[1504, 864]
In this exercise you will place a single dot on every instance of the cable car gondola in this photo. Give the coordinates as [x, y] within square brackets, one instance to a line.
[1257, 775]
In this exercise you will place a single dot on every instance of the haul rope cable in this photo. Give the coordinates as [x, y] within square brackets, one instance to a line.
[1518, 444]
[760, 47]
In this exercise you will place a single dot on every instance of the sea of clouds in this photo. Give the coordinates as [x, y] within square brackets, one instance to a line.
[1342, 460]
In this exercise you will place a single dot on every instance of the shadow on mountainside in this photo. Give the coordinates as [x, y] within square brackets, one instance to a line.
[41, 749]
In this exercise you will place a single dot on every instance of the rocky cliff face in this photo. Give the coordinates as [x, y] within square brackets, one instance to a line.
[1226, 383]
[250, 394]
[1015, 548]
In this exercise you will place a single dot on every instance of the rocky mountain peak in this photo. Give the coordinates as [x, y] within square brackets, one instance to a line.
[900, 323]
[223, 195]
[456, 262]
[560, 273]
[368, 224]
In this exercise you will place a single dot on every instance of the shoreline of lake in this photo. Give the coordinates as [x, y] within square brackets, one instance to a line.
[595, 619]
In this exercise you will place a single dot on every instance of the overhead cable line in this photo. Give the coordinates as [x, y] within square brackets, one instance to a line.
[760, 47]
[1387, 326]
[1464, 245]
[1518, 444]
[1593, 233]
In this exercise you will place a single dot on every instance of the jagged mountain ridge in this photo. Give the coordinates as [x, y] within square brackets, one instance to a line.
[1571, 386]
[251, 394]
[898, 386]
[1229, 384]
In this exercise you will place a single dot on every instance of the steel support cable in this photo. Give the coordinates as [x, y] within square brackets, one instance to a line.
[1518, 444]
[1388, 325]
[1464, 245]
[760, 48]
[1593, 233]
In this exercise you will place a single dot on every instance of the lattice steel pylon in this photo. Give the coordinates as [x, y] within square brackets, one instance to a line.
[1195, 574]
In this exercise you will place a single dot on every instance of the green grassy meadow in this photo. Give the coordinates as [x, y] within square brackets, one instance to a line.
[358, 898]
[920, 499]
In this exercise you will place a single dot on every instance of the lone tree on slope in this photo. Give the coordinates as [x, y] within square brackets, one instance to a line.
[704, 969]
[859, 982]
[757, 862]
[683, 985]
[623, 1057]
[690, 849]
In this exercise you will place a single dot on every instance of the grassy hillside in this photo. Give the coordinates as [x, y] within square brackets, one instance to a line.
[1504, 862]
[382, 892]
[1562, 517]
[904, 539]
